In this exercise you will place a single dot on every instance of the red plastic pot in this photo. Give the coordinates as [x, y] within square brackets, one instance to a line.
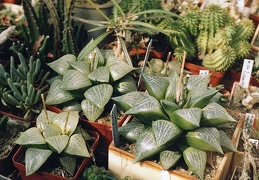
[235, 77]
[215, 77]
[43, 175]
[6, 164]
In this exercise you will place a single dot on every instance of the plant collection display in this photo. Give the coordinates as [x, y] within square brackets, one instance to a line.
[178, 117]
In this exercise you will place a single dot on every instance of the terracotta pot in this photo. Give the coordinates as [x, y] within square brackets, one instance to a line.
[120, 163]
[254, 18]
[12, 1]
[235, 77]
[43, 175]
[153, 53]
[215, 78]
[6, 164]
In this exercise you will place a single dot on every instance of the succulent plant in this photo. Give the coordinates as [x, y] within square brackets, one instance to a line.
[88, 84]
[54, 135]
[162, 122]
[23, 85]
[212, 36]
[95, 172]
[42, 36]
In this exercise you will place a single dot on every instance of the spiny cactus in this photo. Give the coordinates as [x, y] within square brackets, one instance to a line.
[24, 85]
[219, 39]
[59, 30]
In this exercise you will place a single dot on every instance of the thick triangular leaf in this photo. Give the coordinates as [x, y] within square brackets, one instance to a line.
[32, 136]
[195, 160]
[99, 94]
[170, 94]
[169, 158]
[145, 145]
[61, 64]
[69, 163]
[165, 132]
[147, 109]
[156, 65]
[156, 85]
[128, 100]
[57, 94]
[214, 114]
[85, 134]
[42, 118]
[169, 106]
[132, 130]
[207, 139]
[125, 85]
[90, 110]
[72, 106]
[76, 146]
[57, 143]
[118, 68]
[67, 121]
[226, 143]
[187, 119]
[201, 97]
[49, 130]
[101, 74]
[74, 80]
[198, 81]
[81, 66]
[35, 158]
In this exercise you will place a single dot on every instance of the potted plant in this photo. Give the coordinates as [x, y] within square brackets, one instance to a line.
[10, 128]
[131, 23]
[235, 73]
[56, 138]
[22, 86]
[170, 126]
[210, 44]
[88, 84]
[244, 100]
[245, 162]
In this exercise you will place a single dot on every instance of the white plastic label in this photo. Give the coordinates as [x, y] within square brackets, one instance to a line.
[249, 121]
[254, 141]
[203, 72]
[165, 175]
[246, 73]
[240, 5]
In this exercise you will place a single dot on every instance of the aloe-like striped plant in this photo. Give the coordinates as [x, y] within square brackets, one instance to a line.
[189, 124]
[87, 85]
[54, 135]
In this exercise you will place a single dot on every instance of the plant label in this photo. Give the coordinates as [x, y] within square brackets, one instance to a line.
[246, 73]
[204, 72]
[115, 132]
[249, 121]
[240, 5]
[255, 142]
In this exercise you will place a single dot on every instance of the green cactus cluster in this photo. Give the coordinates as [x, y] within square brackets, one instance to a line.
[212, 36]
[42, 36]
[22, 86]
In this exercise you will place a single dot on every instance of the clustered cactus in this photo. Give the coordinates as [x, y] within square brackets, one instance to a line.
[220, 39]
